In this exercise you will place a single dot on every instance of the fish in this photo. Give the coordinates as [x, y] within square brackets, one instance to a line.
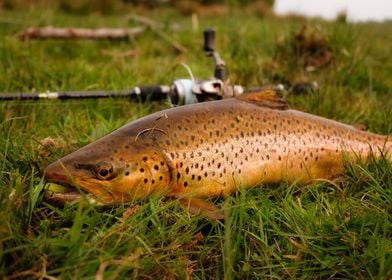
[212, 149]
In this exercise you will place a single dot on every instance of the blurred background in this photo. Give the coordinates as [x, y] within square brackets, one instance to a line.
[354, 10]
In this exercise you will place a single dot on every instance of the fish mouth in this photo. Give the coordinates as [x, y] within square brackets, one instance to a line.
[60, 193]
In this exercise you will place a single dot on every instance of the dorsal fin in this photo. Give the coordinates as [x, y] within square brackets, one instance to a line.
[269, 98]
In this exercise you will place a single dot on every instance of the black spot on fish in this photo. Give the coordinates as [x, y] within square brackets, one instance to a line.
[185, 184]
[141, 170]
[145, 180]
[187, 170]
[145, 158]
[160, 178]
[127, 173]
[156, 167]
[199, 178]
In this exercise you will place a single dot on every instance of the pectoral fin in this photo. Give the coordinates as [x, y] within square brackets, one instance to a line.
[201, 207]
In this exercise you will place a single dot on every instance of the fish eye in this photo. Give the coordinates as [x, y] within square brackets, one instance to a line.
[103, 170]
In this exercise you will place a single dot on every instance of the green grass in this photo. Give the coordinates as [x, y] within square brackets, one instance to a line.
[324, 230]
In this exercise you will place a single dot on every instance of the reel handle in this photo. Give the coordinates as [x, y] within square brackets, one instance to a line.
[209, 41]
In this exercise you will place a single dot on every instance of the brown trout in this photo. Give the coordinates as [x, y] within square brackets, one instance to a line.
[209, 149]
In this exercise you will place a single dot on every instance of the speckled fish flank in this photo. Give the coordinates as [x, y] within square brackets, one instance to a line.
[214, 148]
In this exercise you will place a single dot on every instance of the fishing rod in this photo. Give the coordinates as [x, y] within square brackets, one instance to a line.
[180, 92]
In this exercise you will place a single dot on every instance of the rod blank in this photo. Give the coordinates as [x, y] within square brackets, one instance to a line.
[144, 92]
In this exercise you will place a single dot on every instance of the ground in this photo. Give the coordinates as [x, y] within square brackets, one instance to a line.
[324, 230]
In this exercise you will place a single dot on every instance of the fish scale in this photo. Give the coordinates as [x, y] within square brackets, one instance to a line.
[214, 148]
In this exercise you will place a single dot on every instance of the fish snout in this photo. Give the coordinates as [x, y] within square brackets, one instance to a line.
[56, 172]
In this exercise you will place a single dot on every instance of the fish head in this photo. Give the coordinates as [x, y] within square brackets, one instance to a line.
[109, 172]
